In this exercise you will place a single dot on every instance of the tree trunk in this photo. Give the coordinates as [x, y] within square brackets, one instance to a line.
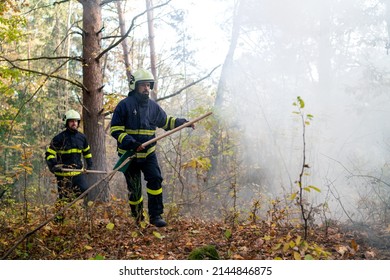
[125, 47]
[216, 137]
[93, 93]
[325, 56]
[149, 5]
[387, 19]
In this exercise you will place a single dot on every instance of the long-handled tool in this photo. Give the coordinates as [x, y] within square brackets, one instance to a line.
[131, 153]
[83, 171]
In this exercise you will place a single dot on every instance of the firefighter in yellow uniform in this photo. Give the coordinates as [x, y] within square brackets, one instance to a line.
[65, 152]
[134, 122]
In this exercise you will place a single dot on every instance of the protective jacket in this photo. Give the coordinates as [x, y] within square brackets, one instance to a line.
[66, 148]
[134, 122]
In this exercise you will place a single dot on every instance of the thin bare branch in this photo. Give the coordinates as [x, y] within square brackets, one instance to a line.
[188, 86]
[129, 30]
[76, 83]
[60, 2]
[77, 58]
[67, 35]
[34, 8]
[105, 2]
[376, 179]
[359, 175]
[338, 198]
[28, 100]
[177, 92]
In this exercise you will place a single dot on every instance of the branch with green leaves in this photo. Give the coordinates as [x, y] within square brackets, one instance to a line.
[305, 119]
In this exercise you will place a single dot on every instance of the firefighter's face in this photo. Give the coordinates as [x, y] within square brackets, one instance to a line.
[73, 124]
[144, 88]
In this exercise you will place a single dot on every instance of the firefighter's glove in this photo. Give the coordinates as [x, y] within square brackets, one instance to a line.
[56, 168]
[180, 121]
[129, 145]
[135, 145]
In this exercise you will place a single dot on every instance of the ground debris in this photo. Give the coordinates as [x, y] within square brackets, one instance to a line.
[85, 239]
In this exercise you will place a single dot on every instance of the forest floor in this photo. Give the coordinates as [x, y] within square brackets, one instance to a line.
[117, 237]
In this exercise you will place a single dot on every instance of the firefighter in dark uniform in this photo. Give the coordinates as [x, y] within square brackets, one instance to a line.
[65, 152]
[134, 122]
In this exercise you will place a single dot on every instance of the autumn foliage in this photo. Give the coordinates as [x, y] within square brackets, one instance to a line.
[106, 231]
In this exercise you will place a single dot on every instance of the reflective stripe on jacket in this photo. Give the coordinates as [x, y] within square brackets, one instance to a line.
[135, 121]
[66, 148]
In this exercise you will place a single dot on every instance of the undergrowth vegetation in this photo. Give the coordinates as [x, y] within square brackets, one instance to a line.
[106, 231]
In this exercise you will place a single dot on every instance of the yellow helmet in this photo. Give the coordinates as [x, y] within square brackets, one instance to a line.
[141, 75]
[71, 115]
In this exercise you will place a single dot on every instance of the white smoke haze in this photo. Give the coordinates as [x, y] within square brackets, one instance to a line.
[333, 55]
[330, 53]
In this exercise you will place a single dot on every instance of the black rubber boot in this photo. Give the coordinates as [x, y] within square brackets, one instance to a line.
[157, 221]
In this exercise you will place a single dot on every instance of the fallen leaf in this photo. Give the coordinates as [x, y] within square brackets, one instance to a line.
[110, 226]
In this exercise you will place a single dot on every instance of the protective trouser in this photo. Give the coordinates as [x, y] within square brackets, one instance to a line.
[70, 187]
[153, 178]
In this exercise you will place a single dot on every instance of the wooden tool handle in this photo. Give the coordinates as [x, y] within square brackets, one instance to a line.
[187, 124]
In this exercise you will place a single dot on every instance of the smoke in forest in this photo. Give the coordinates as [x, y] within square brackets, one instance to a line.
[334, 57]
